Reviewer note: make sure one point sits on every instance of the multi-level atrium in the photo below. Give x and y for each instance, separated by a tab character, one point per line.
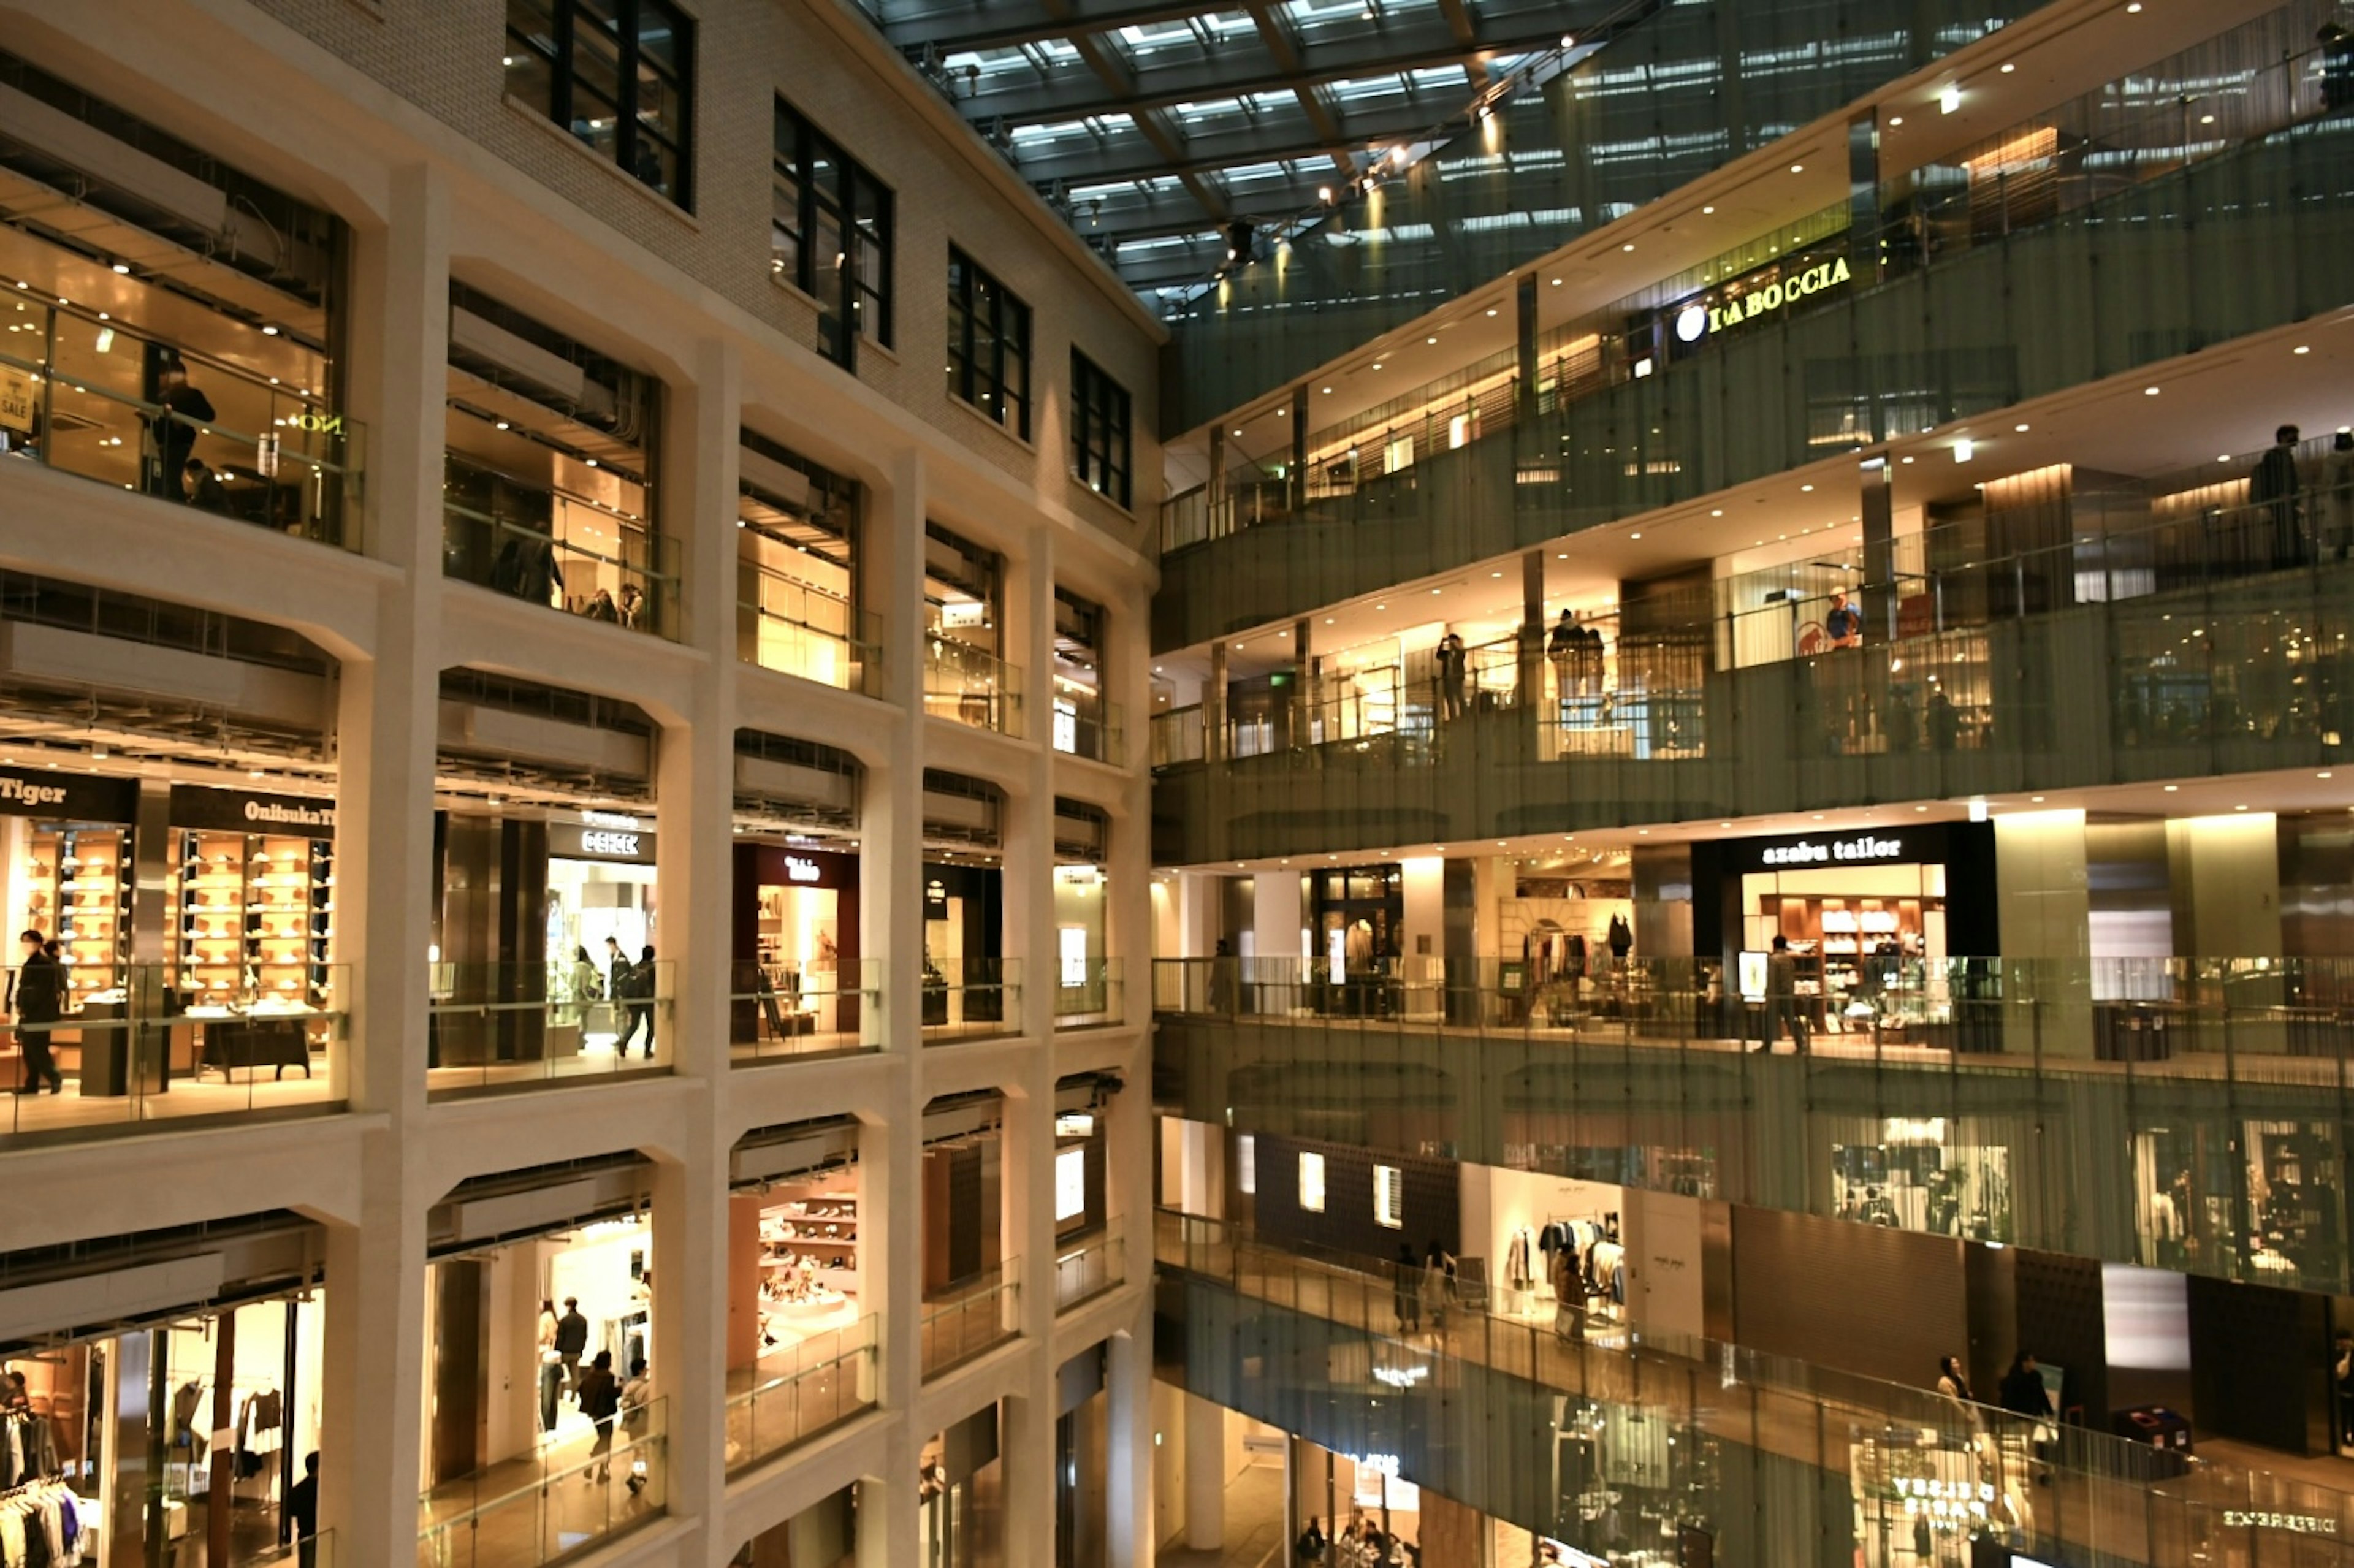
1579	796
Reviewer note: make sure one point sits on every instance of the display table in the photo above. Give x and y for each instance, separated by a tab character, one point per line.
228	1042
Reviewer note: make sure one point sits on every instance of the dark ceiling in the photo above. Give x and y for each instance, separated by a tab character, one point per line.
1155	125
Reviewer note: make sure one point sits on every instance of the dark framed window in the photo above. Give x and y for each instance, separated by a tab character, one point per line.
619	74
831	234
988	345
1099	429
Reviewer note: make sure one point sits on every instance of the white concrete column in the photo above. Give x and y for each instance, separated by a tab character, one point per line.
891	913
1028	1189
694	869
370	1417
1127	1444
1205	1474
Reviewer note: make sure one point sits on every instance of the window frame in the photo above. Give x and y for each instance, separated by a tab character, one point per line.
988	345
1103	432
829	188
561	61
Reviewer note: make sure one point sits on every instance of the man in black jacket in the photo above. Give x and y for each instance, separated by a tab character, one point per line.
37	994
571	1341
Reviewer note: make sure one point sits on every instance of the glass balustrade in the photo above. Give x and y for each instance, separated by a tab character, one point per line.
553	1502
1090	994
84	394
493	1027
787	626
548	546
2176	1113
970	999
778	1012
1090	1265
1604	1437
971	1318
99	1049
792	1395
968	686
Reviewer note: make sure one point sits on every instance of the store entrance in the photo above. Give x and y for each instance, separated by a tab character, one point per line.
185	1443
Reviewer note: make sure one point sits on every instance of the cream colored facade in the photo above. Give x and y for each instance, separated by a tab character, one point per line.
390	113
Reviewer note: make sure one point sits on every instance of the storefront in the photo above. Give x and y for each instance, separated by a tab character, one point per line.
183	1438
500	1386
1870	915
964	919
70	866
795	566
796	942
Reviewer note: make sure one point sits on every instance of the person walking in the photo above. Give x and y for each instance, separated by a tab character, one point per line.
181	409
1437	1284
2273	489
299	1518
600	1400
571	1342
638	999
1782	1000
637	1413
36	996
1409	1294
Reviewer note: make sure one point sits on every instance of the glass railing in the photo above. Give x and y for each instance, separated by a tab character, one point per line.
2258	80
508	1026
97	1049
1601	1437
964	684
75	395
1089	994
973	1318
1090	1265
553	1502
792	1396
1087	726
1177	736
2210	635
2174	1113
785	625
970	999
782	1011
580	558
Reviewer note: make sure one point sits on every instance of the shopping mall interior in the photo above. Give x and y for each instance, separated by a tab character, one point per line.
1582	796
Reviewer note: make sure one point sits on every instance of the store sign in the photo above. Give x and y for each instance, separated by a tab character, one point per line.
579	841
15	399
2266	1519
1946	1504
1748	300
68	797
238	812
1865	849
